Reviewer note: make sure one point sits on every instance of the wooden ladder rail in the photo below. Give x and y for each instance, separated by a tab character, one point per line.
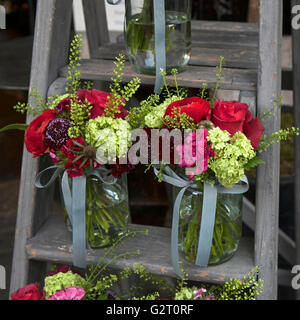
267	186
50	51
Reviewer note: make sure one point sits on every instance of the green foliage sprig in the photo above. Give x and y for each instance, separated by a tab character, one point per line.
79	115
39	104
268	113
203	91
119	96
219	75
180	92
74	75
236	289
183	281
98	282
179	120
276	137
136	117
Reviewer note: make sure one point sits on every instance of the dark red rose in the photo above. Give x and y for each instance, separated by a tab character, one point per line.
35	133
62	269
230	115
63	106
234	116
29	292
196	108
98	100
253	130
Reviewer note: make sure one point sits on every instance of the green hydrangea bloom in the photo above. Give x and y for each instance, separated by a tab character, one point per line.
185	294
228	171
232	156
242	146
218	138
154	118
62	281
112	135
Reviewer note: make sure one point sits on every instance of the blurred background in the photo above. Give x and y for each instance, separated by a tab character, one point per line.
148	207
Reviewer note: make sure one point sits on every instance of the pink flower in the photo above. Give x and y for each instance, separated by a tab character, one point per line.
54	157
199	293
70	293
194	154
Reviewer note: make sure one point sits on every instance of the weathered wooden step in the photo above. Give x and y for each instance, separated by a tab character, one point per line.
193	77
225	26
53	243
237	57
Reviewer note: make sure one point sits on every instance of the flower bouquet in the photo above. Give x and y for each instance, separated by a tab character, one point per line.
203	147
85	133
65	283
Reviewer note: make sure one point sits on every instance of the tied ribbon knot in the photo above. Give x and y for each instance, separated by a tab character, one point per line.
210	194
159	39
75	204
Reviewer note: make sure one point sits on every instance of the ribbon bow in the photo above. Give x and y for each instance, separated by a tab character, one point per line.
75	204
208	214
159	35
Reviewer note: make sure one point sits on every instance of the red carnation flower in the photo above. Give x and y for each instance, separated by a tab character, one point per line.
29	292
35	133
70	150
98	100
196	108
234	116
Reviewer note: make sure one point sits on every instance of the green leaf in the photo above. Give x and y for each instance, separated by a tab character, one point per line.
254	162
15	126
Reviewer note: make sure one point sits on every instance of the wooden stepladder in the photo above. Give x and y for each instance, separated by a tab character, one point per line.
253	70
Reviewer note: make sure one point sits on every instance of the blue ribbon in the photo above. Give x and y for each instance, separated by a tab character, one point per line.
75	204
159	36
160	44
208	214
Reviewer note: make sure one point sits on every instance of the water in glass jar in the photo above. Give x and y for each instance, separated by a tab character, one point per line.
140	42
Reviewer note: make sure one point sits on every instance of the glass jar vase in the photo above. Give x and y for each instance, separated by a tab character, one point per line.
140	39
106	211
227	227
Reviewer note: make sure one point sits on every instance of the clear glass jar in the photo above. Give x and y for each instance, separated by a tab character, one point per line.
227	229
106	210
140	40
